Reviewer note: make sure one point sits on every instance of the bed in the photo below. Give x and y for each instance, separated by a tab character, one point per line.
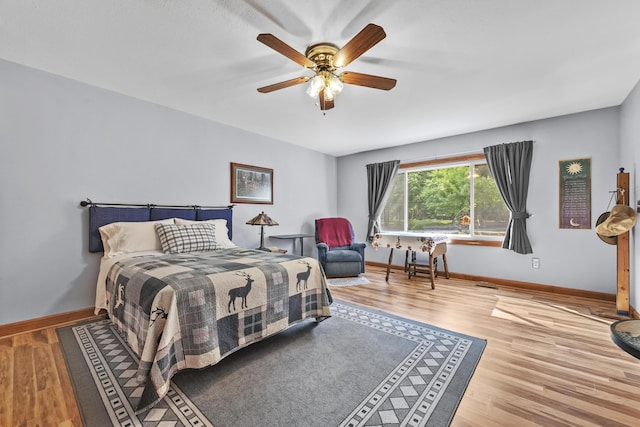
184	296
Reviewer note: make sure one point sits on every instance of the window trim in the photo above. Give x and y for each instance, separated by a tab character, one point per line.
444	160
485	241
477	242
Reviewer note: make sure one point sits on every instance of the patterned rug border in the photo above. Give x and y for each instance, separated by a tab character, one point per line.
177	409
428	400
107	395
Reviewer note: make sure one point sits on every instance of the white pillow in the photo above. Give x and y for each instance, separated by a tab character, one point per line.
126	237
222	232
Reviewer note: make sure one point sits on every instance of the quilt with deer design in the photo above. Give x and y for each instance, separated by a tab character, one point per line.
191	310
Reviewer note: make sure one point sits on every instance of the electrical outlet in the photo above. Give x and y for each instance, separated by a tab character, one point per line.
535	262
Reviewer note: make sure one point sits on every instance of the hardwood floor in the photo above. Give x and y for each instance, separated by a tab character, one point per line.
548	361
35	389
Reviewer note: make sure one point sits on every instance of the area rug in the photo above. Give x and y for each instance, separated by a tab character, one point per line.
360	367
348	281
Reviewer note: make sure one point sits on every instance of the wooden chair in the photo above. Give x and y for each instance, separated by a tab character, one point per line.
414	267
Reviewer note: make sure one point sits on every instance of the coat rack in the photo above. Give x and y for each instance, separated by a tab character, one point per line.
622	295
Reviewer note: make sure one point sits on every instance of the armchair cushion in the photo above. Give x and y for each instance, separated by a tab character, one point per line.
343	255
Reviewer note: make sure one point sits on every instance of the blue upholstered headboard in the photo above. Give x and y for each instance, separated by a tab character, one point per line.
103	215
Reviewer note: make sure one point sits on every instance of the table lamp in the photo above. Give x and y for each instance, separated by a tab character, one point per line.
262	219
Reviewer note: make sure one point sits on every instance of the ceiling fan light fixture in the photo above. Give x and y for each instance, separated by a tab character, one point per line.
334	84
316	85
328	95
326	82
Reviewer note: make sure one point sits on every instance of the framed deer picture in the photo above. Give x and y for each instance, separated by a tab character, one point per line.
251	184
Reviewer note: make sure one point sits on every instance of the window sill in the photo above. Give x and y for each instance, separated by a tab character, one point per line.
471	242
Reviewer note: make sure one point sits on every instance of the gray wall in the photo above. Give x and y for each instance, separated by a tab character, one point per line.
630	158
568	258
62	141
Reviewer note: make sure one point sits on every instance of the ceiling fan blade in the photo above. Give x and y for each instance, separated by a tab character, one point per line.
368	37
325	104
281	47
282	85
375	82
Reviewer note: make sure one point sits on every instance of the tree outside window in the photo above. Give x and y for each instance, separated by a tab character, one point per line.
447	199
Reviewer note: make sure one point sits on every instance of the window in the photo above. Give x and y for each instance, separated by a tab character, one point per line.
446	197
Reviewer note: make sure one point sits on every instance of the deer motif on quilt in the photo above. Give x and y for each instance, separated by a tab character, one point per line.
303	276
119	298
158	313
240	292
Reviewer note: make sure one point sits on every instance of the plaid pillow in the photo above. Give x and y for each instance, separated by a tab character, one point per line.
176	239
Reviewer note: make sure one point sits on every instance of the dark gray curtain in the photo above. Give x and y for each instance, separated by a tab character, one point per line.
510	165
379	178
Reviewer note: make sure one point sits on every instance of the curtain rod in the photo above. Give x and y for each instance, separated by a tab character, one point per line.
442	156
89	202
449	155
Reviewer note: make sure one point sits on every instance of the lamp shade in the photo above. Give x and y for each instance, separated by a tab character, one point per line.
262	219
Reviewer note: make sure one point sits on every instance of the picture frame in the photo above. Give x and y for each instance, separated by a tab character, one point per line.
251	184
575	194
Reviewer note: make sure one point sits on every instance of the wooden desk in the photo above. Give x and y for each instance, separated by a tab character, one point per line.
434	245
293	237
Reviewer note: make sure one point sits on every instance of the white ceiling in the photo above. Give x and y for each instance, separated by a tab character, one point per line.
461	65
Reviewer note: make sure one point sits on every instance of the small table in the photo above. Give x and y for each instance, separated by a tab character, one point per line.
433	244
293	237
626	335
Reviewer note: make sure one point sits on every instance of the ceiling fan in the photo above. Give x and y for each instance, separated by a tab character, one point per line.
324	59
